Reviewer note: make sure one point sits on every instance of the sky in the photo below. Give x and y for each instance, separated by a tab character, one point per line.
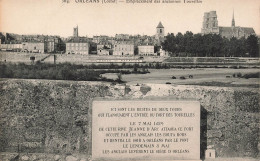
52	17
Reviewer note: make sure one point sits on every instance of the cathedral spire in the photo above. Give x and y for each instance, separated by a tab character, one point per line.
233	20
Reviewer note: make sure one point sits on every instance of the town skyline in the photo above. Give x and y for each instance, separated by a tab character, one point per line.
55	18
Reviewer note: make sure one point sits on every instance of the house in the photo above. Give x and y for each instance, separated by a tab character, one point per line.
103	51
146	50
123	48
34	47
77	48
104	44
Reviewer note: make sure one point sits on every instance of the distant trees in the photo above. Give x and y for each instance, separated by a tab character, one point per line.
252	46
210	45
135	50
2	38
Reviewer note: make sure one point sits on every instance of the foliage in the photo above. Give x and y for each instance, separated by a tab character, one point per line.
210	45
247	75
251	75
65	71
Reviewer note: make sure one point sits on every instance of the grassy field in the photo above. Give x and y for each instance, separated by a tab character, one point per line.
209	71
201	76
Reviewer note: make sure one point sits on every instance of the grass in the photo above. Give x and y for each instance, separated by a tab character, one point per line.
64	71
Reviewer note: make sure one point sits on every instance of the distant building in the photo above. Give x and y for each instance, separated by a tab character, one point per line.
76	44
76	31
122	36
79	45
210	26
146	50
123	48
10	47
159	36
33	38
104	44
103	51
210	23
112	40
77	48
237	32
34	47
98	39
53	43
163	52
50	46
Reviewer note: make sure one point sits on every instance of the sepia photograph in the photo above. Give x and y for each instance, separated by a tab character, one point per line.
129	80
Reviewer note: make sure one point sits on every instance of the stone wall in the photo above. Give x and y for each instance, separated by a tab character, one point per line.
53	118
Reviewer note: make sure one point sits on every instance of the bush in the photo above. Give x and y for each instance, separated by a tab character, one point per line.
251	75
238	75
64	71
246	76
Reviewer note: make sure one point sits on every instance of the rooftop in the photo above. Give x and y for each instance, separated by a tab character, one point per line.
160	25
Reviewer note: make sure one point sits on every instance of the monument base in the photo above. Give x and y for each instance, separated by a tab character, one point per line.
145	130
142	160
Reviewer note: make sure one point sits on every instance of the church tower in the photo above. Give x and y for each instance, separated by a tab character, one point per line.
159	37
233	20
159	31
76	32
210	23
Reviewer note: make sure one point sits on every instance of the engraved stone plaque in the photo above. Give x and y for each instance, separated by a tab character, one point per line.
145	130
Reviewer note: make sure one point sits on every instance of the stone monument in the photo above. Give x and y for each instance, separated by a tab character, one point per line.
145	130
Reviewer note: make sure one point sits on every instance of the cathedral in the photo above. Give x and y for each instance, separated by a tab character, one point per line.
210	26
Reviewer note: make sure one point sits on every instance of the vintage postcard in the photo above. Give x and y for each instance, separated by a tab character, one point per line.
121	80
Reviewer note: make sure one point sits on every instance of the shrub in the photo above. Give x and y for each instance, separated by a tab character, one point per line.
252	75
63	71
238	75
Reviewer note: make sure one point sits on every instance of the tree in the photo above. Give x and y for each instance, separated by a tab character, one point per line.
188	41
170	43
197	45
252	46
216	45
180	43
241	47
135	50
225	47
210	45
